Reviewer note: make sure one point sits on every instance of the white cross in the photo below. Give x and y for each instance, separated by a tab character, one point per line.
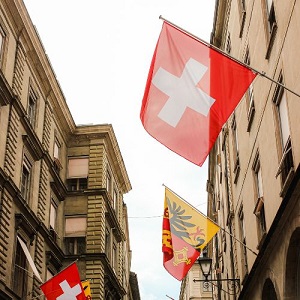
182	92
69	293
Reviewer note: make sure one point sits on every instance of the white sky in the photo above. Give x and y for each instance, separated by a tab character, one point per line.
101	53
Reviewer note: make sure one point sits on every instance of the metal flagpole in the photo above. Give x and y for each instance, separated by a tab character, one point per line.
262	73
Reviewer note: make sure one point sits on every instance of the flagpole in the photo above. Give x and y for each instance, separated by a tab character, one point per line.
261	73
212	221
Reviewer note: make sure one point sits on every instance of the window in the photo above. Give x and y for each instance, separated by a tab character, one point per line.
56	156
107	242
249	96
25	178
53	209
286	164
78	168
52	221
75	235
78	184
115	198
243	240
242	13
228	44
2	40
20	271
56	151
108	182
114	256
31	111
271	15
270	24
259	209
236	169
111	247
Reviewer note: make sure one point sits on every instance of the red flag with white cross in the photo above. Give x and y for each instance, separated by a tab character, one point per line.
66	285
190	93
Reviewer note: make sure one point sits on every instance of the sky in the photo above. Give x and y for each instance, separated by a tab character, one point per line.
101	52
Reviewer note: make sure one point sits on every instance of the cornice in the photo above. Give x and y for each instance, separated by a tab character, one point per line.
87	133
26	33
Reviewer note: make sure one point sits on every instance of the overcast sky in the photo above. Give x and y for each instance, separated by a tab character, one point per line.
101	53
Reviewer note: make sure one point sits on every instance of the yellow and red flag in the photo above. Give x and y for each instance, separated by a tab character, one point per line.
87	289
186	231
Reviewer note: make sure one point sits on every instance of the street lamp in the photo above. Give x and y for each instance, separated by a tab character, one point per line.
205	266
233	284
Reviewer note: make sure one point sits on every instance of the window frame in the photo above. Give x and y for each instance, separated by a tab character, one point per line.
53	209
259	208
249	95
284	145
25	180
78	181
32	106
20	269
235	145
242	14
270	24
3	39
244	258
74	241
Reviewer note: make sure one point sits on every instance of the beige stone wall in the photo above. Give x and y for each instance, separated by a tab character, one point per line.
24	65
263	138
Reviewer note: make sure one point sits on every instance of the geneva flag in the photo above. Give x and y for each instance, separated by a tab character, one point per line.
66	285
190	93
185	232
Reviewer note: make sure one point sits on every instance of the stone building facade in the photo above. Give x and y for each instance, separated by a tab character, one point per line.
253	178
253	169
61	185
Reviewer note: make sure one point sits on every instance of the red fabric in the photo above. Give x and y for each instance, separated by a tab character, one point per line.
225	81
178	256
66	285
179	265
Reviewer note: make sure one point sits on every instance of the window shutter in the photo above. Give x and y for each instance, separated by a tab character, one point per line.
52	215
75	227
285	130
78	167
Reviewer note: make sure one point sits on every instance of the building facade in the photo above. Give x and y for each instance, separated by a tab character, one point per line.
253	169
253	177
191	286
61	185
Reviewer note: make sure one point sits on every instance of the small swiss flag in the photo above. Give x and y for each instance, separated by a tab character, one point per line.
66	285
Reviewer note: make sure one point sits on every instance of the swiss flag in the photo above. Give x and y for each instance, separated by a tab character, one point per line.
190	93
66	285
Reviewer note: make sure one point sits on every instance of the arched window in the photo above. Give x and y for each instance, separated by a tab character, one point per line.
269	291
292	271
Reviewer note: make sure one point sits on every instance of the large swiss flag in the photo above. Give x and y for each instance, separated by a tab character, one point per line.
190	93
66	285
